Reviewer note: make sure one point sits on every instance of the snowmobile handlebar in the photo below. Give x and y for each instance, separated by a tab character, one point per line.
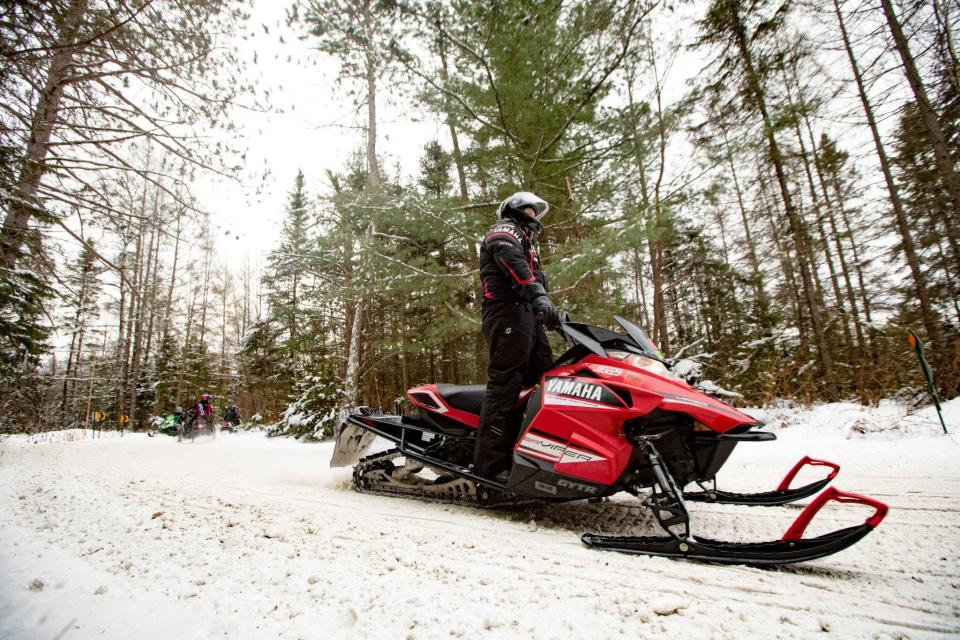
556	325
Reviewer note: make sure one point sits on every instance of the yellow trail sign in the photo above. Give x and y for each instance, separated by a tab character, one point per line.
100	416
124	418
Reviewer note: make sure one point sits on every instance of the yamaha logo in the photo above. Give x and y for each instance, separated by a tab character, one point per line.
583	390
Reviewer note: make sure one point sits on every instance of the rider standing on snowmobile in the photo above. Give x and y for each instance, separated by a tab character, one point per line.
515	309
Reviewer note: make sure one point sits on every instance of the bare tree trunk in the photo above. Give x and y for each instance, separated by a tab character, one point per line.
783	255
451	123
903	225
351	382
186	346
135	293
639	291
223	323
351	379
941	10
45	115
835	234
206	292
654	235
797	226
154	284
168	307
931	123
66	378
825	242
858	268
755	273
373	165
146	276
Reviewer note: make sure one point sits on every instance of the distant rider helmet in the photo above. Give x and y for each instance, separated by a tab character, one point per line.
514	207
206	397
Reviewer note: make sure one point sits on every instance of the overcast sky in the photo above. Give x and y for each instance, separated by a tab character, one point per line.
311	124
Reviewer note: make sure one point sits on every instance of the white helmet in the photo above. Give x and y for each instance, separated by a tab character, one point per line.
514	207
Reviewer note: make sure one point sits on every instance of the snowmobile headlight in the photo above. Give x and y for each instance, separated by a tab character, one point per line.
642	362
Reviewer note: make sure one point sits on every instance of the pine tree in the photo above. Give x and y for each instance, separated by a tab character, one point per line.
287	275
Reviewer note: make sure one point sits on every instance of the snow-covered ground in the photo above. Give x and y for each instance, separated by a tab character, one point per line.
246	537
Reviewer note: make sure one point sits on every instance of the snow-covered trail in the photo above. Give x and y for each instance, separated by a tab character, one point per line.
249	537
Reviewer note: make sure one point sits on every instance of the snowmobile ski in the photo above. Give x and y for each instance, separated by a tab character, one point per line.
782	495
793	547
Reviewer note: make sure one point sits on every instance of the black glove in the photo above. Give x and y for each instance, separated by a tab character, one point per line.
545	310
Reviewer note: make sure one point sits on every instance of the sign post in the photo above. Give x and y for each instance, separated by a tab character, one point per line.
123	419
917	346
99	416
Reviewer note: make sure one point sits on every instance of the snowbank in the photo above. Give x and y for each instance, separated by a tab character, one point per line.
889	419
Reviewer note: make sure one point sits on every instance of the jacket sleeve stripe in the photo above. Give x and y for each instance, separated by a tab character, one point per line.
514	274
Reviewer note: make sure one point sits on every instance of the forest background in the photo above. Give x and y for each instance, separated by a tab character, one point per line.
770	189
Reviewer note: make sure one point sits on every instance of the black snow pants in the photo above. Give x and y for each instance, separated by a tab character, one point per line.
519	356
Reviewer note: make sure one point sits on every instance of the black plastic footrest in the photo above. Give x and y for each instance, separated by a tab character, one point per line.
751	553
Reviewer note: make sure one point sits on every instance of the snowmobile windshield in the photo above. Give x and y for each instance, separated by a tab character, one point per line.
642	361
599	341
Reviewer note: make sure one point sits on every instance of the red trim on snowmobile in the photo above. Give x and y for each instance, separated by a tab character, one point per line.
795	532
444	408
813	462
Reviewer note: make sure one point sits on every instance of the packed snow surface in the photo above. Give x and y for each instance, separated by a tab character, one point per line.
248	537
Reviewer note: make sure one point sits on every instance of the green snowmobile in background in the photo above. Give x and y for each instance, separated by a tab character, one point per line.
171	423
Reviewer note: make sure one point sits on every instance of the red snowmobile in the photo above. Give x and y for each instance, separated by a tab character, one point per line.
608	417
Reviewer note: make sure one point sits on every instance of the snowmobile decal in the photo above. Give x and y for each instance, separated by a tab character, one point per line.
608	371
546	488
570	402
440	406
554	451
562	391
574	388
685	400
564	484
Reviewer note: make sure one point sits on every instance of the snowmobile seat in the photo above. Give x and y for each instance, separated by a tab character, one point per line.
467	397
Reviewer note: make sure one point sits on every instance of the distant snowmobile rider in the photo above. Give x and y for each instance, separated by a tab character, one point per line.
514	300
232	415
203	409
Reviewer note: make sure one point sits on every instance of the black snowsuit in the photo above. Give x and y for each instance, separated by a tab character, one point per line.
232	416
511	276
